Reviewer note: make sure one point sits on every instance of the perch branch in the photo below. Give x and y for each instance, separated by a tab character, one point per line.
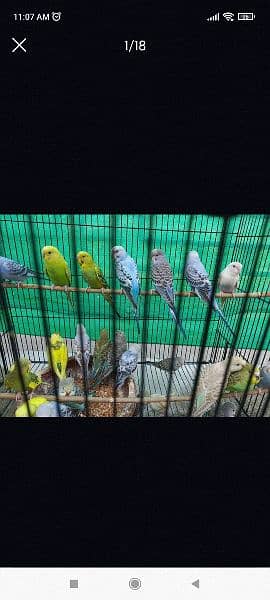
84	290
131	400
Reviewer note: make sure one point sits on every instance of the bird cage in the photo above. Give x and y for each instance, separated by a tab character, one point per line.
33	310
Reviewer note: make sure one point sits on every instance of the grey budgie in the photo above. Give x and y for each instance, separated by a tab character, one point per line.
198	278
82	347
228	280
127	365
210	383
127	273
14	271
163	281
167	364
265	376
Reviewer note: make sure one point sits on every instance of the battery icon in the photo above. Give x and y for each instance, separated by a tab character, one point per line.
246	16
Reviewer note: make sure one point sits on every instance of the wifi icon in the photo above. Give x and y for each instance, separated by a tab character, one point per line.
228	16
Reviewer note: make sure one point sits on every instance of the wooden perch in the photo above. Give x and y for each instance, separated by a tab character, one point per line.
132	400
85	290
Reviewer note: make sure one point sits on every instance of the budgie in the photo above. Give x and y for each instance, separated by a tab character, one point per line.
238	381
50	410
228	408
228	280
12	380
265	376
14	271
57	269
102	364
127	273
33	405
127	365
167	364
198	279
110	363
59	355
210	383
163	281
93	275
82	347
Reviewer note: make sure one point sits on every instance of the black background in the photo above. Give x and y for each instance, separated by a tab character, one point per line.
182	127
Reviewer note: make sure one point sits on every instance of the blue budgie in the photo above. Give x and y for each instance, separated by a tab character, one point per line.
265	376
163	281
127	273
14	271
198	278
127	365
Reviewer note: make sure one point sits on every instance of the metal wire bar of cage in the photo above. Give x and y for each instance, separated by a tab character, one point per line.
145	315
13	342
209	312
79	312
178	312
44	316
114	349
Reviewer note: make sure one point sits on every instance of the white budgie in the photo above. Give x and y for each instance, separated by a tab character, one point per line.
82	347
228	280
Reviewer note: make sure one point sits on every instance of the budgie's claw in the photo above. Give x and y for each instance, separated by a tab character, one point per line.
66	288
18	398
52	286
19	284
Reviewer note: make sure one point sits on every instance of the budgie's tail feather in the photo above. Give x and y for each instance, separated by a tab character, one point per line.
70	299
219	311
137	321
110	300
178	321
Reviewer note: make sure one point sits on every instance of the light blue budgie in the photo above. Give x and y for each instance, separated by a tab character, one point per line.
127	365
127	273
163	281
49	409
14	271
198	278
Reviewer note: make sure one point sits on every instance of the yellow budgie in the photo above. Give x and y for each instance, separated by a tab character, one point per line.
59	355
33	405
13	381
93	275
57	269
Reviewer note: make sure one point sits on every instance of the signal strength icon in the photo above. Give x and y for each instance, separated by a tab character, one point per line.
213	18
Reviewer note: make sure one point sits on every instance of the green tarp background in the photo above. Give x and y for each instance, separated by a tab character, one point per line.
172	233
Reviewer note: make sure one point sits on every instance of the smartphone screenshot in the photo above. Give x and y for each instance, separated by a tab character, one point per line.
134	291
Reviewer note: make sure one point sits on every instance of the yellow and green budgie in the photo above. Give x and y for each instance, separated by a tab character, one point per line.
238	381
13	381
59	355
93	275
57	269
